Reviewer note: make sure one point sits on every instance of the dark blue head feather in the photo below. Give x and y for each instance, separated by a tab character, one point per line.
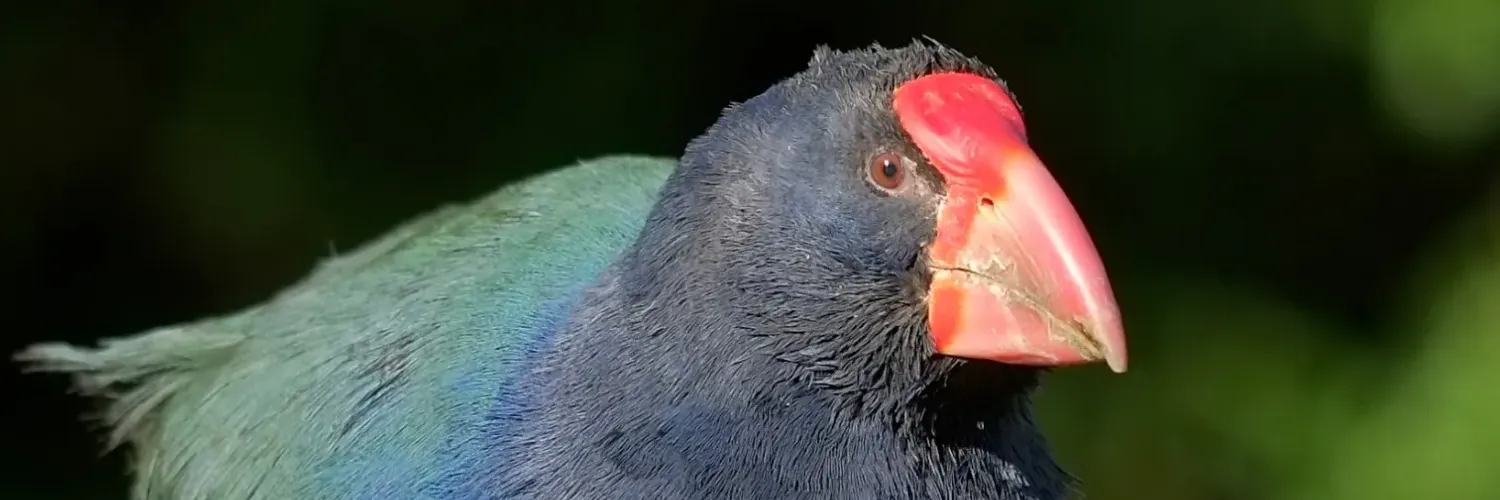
765	337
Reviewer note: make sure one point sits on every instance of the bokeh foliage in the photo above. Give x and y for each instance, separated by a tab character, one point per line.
1296	198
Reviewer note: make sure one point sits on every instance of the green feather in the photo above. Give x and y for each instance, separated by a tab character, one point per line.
372	361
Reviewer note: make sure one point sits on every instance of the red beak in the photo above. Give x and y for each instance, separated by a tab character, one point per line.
1016	278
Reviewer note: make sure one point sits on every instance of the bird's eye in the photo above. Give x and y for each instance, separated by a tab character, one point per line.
887	171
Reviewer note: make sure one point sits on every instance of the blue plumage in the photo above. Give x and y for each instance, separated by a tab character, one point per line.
377	375
510	403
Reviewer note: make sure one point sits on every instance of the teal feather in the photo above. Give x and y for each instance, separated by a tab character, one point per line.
366	377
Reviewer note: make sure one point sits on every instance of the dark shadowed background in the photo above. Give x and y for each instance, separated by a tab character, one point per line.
1297	199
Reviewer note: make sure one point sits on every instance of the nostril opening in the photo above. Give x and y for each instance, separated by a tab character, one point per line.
987	208
987	205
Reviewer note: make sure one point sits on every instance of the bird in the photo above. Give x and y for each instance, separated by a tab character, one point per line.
847	287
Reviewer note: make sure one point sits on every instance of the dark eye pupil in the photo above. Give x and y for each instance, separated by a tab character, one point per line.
890	169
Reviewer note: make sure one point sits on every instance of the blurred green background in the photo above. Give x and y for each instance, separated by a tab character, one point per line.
1297	199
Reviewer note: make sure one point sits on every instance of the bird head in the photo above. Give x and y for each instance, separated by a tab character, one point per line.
883	208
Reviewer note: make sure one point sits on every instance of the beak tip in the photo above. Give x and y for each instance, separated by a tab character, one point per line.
1114	342
1116	362
1107	329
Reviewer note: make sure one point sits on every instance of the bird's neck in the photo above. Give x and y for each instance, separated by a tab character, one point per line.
674	380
